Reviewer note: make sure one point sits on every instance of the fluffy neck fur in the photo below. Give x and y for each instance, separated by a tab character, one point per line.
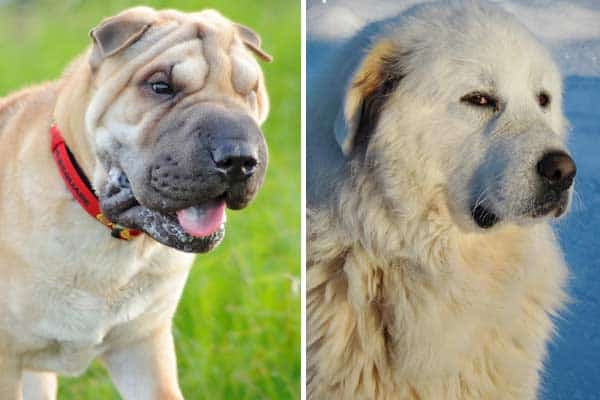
403	304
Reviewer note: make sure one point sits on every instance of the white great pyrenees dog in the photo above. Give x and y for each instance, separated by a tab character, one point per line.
433	272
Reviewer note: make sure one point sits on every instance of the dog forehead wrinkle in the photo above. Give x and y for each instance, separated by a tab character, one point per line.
112	85
190	74
214	51
216	28
172	15
244	70
156	33
214	22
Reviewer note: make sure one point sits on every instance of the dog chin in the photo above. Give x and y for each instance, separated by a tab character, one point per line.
554	209
196	228
179	230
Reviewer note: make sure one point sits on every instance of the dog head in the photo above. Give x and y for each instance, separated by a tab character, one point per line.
176	105
460	98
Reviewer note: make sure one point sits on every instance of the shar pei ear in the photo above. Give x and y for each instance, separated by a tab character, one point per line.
373	82
116	33
252	41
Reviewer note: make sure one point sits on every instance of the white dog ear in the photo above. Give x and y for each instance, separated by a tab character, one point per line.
373	82
116	33
252	41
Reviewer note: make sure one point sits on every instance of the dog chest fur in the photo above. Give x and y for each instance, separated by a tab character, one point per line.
466	318
79	311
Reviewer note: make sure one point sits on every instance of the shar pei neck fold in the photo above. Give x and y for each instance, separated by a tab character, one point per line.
433	272
162	117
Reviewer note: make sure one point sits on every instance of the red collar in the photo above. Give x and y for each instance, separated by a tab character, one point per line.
80	187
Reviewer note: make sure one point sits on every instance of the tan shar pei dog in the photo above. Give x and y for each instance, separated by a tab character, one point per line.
154	131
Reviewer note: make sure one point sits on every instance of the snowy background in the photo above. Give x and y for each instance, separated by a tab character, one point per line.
572	31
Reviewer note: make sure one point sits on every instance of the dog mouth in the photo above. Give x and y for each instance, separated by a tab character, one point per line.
553	203
195	229
192	227
483	216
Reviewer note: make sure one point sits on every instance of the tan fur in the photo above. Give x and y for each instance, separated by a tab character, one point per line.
365	81
369	76
69	291
405	298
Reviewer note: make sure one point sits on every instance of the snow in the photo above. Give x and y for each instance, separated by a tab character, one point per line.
572	31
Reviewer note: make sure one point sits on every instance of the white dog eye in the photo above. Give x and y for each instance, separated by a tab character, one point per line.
481	100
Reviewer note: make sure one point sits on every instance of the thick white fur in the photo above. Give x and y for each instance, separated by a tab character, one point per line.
407	297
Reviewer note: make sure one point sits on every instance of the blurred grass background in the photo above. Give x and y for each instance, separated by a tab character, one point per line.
237	329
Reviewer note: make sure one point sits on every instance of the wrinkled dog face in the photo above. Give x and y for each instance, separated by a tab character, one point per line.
175	122
465	100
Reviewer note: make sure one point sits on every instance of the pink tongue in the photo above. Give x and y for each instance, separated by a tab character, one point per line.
202	220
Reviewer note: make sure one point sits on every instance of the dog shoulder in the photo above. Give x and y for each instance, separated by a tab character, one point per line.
33	99
24	113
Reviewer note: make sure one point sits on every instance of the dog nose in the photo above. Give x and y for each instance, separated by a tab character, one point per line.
558	169
236	161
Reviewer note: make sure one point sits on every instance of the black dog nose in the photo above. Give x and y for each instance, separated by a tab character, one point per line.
236	161
558	168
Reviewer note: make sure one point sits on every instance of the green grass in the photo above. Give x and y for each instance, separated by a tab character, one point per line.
237	329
